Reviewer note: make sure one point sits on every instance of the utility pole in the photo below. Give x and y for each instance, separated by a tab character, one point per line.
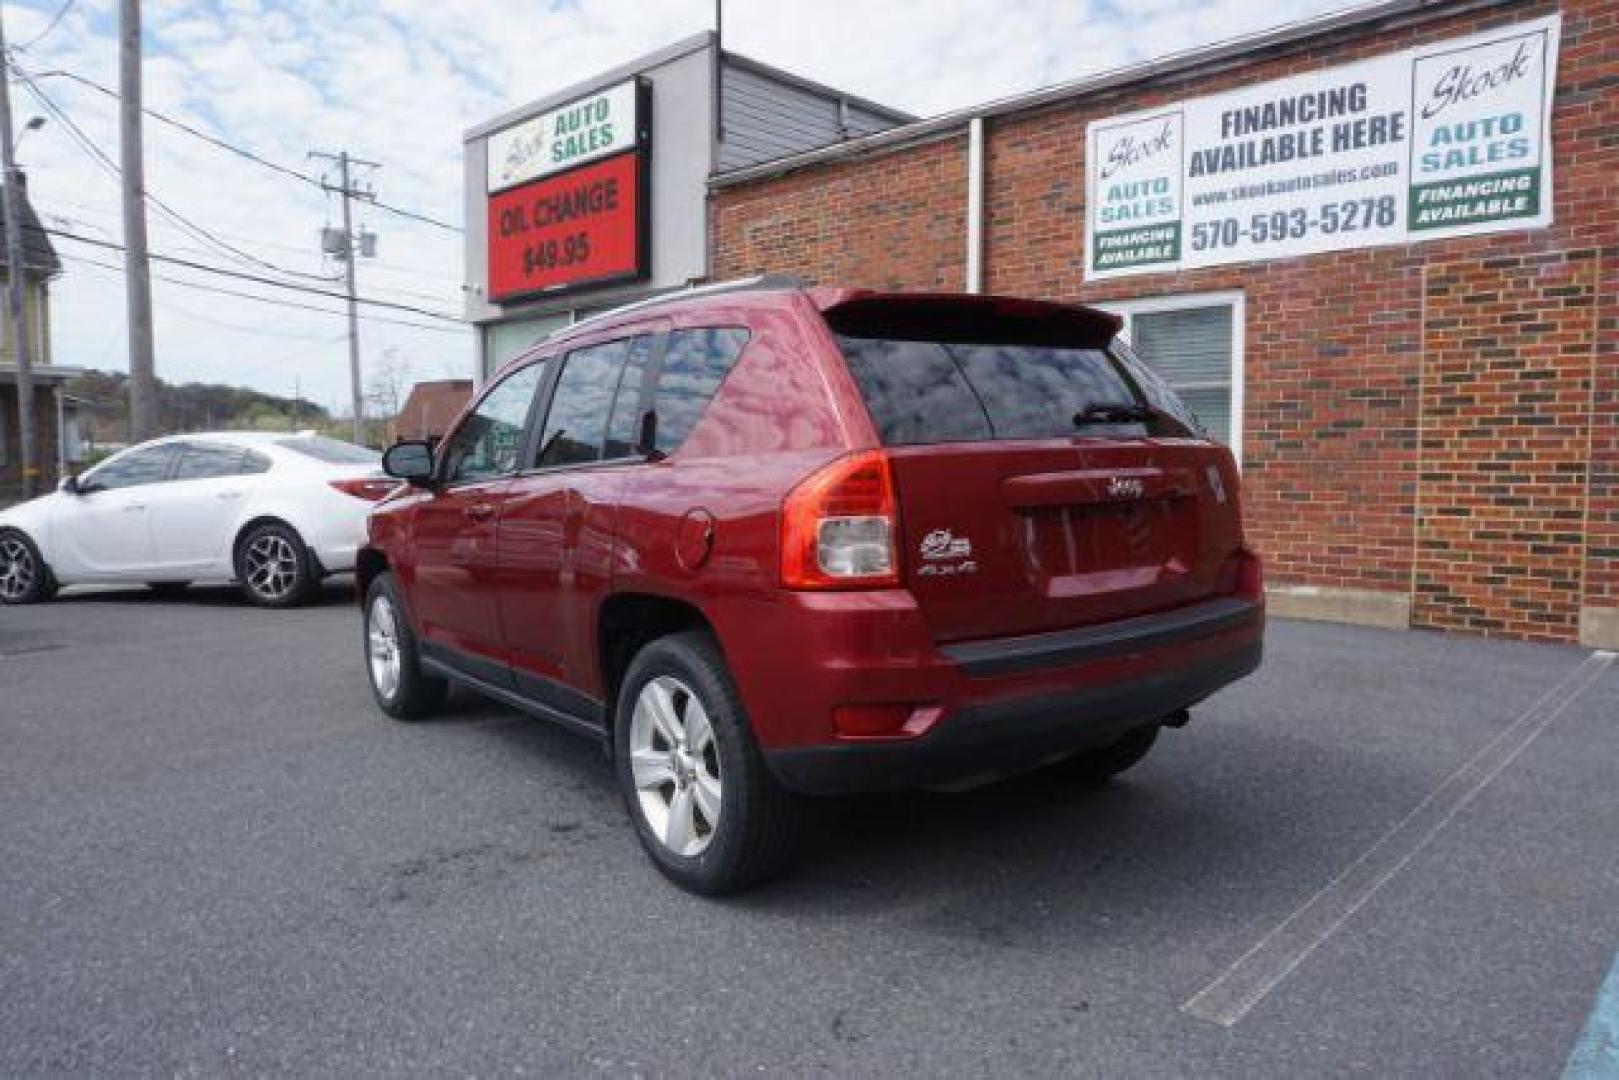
143	421
348	247
17	281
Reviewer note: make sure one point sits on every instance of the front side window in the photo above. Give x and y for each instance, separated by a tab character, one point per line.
695	362
576	424
490	440
207	461
149	465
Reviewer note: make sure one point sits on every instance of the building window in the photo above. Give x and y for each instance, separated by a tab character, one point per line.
1195	343
505	341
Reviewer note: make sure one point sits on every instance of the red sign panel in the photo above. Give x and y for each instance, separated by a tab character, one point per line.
587	225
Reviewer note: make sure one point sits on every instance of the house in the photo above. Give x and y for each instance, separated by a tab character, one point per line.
431	408
52	413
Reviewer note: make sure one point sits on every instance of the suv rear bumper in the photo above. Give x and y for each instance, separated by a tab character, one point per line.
1012	705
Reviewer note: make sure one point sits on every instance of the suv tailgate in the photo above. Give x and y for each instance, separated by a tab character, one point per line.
1044	482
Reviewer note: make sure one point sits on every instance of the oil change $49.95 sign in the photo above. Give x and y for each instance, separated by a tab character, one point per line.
582	226
1447	139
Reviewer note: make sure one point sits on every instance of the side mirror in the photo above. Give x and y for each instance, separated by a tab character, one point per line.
410	461
69	485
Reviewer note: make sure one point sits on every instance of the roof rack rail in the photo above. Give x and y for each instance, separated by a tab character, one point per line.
749	284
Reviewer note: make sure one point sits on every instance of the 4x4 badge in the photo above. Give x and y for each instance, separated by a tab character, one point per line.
1126	487
944	544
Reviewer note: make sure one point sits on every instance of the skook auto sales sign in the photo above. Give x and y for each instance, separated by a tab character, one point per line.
568	200
1448	139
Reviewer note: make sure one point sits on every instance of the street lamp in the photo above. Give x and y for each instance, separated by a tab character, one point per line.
34	124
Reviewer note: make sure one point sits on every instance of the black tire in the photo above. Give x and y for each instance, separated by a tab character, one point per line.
168	588
415	694
292	578
759	822
24	577
1104	763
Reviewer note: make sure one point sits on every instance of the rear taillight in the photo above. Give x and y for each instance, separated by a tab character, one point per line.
838	527
368	488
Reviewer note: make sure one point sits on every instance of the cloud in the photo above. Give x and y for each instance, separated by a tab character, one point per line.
397	81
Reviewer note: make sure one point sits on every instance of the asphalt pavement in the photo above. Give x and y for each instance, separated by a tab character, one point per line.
1386	854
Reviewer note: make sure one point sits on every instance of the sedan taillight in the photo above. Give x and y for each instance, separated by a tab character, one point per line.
371	489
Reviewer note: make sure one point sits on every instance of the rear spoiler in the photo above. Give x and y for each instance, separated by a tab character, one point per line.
964	318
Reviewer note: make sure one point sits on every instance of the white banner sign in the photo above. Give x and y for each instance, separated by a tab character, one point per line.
1448	139
572	134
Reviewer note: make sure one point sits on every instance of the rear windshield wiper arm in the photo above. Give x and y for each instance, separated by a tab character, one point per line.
1115	412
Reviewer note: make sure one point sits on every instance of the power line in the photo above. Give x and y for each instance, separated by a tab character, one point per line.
258	279
417	270
111	168
232	148
53	216
43	34
272	301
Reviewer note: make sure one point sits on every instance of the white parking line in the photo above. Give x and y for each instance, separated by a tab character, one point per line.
1246	983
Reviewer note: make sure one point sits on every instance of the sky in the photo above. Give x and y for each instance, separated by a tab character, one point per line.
397	82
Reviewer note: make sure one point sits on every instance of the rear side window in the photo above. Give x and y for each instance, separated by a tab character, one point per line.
624	428
331	451
207	461
694	364
576	423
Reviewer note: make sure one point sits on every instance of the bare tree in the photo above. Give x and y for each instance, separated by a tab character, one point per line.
391	378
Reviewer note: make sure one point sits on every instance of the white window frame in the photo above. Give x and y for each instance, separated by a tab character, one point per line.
1238	303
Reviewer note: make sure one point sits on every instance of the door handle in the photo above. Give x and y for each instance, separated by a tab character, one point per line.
480	512
228	495
130	508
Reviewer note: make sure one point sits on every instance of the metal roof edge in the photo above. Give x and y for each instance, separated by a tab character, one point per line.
819	89
657	58
1361	18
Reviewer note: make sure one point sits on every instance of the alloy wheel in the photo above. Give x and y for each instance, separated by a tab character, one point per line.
17	569
272	566
382	639
675	764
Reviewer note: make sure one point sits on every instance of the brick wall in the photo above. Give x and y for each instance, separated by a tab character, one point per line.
1403	434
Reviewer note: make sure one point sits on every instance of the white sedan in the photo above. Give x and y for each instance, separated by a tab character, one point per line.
275	512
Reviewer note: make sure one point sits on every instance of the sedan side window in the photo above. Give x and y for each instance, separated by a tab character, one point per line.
490	440
207	461
145	466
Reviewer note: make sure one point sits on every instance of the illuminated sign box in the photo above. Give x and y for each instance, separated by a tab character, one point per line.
586	129
586	226
570	195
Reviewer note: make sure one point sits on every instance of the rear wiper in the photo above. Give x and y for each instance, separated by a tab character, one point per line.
1115	412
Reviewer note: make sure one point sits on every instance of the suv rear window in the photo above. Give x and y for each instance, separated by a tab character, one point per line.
931	391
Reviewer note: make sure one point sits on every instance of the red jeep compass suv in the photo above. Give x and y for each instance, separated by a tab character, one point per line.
766	541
